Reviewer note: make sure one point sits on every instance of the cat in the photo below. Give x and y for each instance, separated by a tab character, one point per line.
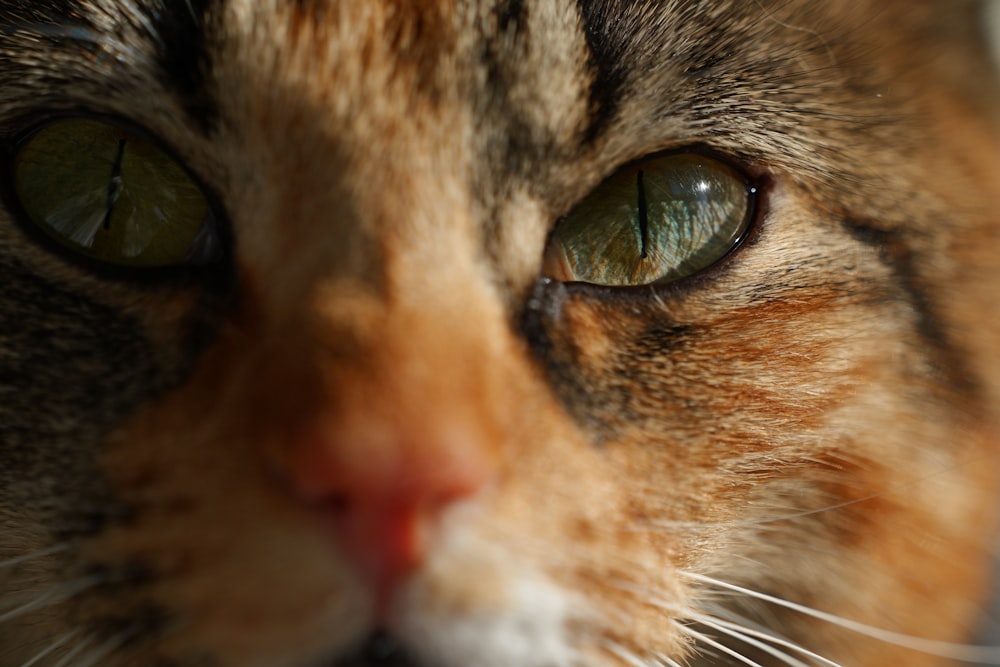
497	333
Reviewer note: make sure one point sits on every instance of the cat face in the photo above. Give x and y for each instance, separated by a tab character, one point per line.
495	334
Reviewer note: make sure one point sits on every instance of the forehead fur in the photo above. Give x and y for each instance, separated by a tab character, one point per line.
716	57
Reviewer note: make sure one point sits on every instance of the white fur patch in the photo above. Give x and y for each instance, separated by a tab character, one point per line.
531	632
474	605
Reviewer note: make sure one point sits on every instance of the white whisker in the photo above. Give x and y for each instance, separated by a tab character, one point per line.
705	639
749	640
39	602
54	646
624	654
50	597
771	16
669	662
739	629
759	634
41	553
959	652
67	659
105	649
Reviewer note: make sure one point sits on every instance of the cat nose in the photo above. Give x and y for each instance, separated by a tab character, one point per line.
382	490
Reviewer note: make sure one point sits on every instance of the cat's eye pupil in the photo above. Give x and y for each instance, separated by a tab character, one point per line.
658	221
115	186
643	216
109	194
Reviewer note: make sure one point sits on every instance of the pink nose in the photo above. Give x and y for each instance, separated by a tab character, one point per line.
382	494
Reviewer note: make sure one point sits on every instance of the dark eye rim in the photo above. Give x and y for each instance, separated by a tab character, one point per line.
179	274
757	182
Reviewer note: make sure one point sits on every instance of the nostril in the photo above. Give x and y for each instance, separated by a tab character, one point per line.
331	503
382	496
380	648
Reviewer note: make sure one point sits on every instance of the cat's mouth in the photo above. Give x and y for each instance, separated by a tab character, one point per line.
380	650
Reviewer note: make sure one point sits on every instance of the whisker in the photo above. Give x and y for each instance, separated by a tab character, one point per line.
38	602
705	639
624	654
772	16
959	652
41	553
105	649
711	621
54	646
741	631
51	597
668	662
72	653
749	640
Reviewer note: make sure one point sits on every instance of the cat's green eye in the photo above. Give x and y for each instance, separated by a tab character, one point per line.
109	194
656	221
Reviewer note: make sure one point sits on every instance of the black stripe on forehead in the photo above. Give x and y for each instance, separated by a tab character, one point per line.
511	15
598	18
182	37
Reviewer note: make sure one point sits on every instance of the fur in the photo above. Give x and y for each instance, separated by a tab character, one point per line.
815	418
